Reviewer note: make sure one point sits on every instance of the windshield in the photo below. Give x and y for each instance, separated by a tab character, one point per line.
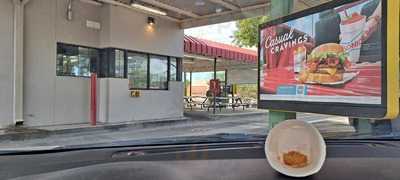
96	73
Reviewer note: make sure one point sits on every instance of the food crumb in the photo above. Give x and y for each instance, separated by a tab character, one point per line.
295	159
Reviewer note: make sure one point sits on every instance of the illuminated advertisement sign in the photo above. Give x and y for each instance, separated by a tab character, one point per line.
336	58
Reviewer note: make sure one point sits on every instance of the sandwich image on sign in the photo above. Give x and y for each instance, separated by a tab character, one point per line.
295	148
327	64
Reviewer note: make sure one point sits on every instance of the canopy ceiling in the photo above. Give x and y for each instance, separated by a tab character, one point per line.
194	13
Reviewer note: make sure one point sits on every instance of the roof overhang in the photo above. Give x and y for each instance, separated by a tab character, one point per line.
212	49
198	63
195	13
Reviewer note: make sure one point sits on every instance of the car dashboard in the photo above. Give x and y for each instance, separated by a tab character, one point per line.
346	159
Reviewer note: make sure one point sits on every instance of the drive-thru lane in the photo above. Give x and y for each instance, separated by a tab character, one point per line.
255	124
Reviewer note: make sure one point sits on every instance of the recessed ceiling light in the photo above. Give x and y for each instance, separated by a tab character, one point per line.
148	9
199	3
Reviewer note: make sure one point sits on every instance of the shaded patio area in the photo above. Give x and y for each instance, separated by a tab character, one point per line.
218	78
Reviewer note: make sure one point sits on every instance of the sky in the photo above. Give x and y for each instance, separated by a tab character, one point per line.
222	33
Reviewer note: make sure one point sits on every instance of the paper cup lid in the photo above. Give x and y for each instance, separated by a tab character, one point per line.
299	138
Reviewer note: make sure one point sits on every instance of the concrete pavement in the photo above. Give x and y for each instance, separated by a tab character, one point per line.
253	124
256	125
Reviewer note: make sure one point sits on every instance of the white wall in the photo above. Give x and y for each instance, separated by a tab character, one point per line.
6	62
39	62
152	104
105	26
53	100
128	30
72	100
50	99
75	31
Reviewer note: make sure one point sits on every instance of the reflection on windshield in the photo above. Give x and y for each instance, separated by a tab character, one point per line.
198	127
90	78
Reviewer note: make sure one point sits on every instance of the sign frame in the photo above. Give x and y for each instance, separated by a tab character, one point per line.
389	107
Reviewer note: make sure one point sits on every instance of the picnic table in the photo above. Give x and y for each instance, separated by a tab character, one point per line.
221	102
231	101
190	102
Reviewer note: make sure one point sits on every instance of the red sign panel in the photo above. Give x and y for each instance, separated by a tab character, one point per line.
215	86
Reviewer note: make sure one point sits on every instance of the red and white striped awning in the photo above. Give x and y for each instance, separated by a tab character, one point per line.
213	49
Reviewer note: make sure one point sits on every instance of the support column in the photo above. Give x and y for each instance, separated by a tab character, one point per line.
18	59
226	84
215	77
275	117
185	83
190	84
362	126
279	8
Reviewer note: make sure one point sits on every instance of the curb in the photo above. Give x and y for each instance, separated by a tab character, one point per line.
239	115
40	132
218	116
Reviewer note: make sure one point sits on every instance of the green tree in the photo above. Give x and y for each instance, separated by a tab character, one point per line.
247	33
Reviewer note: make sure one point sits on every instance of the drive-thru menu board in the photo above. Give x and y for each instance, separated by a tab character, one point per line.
338	58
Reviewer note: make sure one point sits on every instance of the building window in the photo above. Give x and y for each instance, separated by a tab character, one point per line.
173	69
76	60
84	63
143	70
94	55
119	63
137	70
158	72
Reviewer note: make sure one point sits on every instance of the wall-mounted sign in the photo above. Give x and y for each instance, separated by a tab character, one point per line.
93	25
215	86
339	58
134	93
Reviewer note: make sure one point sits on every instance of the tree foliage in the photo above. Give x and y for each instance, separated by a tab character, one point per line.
247	32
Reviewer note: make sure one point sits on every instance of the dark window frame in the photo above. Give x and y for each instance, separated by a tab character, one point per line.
126	66
99	51
149	72
106	56
179	67
168	70
124	61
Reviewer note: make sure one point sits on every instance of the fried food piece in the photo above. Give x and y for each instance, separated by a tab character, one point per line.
295	159
303	76
324	78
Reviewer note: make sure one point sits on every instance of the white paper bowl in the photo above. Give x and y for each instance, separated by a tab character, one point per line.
295	135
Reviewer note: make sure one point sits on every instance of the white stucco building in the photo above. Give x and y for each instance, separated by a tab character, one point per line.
48	48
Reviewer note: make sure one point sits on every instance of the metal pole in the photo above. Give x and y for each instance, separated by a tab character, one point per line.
280	8
226	83
215	77
185	83
93	99
190	84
